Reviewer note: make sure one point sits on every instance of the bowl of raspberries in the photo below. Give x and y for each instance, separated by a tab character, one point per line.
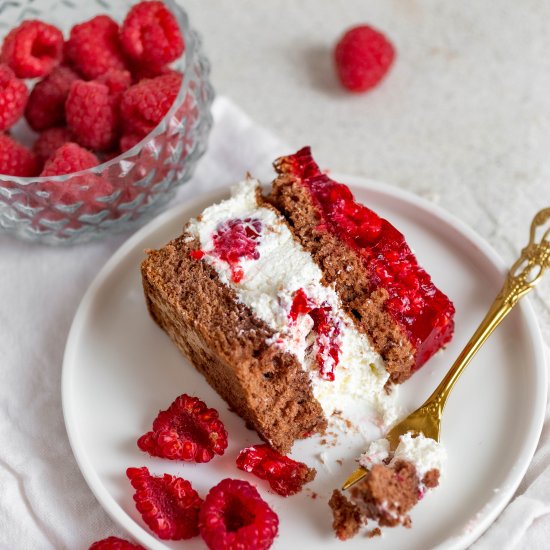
102	115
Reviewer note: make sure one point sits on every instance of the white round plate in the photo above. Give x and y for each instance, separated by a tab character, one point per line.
120	369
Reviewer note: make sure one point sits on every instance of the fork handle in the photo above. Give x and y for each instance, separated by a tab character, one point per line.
522	277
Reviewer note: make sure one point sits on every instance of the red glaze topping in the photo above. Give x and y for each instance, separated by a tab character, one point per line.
326	328
424	312
285	476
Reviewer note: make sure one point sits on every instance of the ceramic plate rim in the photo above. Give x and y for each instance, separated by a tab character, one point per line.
529	442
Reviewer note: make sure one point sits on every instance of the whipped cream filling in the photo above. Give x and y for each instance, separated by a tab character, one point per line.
423	452
268	283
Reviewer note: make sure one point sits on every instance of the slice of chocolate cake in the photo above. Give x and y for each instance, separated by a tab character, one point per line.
244	301
374	271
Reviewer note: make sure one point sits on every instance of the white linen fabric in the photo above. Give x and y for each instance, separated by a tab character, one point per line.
44	501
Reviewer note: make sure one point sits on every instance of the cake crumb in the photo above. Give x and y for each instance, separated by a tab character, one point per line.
376	532
340	461
346	516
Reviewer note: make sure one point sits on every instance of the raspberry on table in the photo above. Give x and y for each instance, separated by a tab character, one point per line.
49	141
17	160
363	57
13	97
187	430
69	158
46	105
115	543
32	49
285	476
92	115
234	515
94	47
169	505
145	104
151	35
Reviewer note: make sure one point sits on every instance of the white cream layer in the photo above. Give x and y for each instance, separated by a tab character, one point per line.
268	287
423	452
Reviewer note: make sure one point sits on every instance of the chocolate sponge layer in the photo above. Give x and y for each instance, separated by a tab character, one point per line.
228	344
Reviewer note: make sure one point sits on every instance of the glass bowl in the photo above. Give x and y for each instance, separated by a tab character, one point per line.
124	192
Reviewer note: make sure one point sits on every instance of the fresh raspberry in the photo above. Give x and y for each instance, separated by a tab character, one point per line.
114	543
187	430
286	476
46	106
13	97
363	56
94	48
169	505
145	104
234	516
117	81
49	141
151	35
69	158
16	160
92	114
127	141
33	49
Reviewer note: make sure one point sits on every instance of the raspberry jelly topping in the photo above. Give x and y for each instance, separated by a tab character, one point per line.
326	328
235	240
414	302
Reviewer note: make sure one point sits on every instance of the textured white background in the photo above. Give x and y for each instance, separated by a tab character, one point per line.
462	119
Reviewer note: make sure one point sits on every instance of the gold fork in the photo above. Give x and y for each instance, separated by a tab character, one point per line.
522	277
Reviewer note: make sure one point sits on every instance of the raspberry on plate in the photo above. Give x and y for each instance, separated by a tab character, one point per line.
46	105
151	35
285	476
33	48
13	97
169	505
114	543
94	47
49	141
92	114
17	160
234	515
144	104
363	57
187	430
69	158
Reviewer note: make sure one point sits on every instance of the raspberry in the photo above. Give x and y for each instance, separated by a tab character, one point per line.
69	158
16	160
236	239
114	543
169	505
33	49
363	56
13	97
92	114
127	141
286	476
151	35
46	106
235	516
49	141
144	104
117	81
94	48
187	430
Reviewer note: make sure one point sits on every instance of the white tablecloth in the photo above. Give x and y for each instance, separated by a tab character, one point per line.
44	502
